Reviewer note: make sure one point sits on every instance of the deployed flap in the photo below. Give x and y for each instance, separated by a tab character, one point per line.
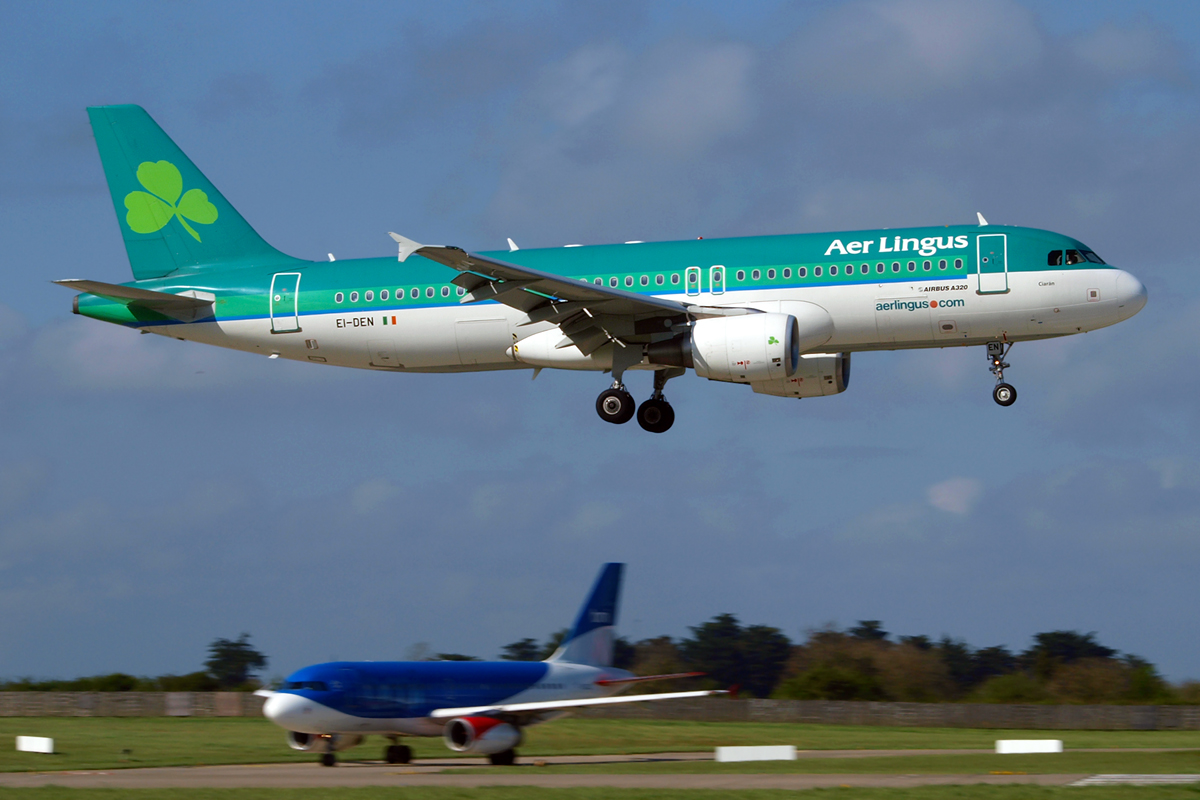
185	307
552	705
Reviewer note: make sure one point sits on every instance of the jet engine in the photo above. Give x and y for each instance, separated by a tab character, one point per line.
482	735
320	742
750	348
817	375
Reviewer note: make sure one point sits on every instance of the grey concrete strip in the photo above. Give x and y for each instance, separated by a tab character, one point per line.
1135	780
302	776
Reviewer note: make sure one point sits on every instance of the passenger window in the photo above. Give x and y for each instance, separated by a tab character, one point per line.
612	282
354	297
787	272
741	274
895	266
645	281
942	264
369	296
912	266
927	265
599	281
339	297
461	291
658	279
817	272
771	274
414	293
675	279
864	269
383	295
958	263
833	269
879	268
1054	259
802	272
717	277
429	292
693	277
629	280
445	291
755	275
1074	257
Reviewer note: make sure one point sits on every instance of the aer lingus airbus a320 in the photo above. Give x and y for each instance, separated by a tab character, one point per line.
779	313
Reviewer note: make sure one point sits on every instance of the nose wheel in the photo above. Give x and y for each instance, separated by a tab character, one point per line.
1004	394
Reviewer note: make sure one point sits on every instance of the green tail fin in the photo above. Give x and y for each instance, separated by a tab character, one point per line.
171	217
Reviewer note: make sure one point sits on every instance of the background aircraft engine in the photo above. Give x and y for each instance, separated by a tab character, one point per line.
318	742
817	375
744	349
482	735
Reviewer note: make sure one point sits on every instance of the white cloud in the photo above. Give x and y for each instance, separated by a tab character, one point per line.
956	495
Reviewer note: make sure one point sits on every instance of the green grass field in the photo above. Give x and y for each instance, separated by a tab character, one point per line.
100	743
531	793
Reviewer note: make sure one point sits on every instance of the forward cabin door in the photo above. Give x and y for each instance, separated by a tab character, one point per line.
285	302
991	254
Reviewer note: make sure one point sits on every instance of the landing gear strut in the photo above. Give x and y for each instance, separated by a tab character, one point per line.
656	415
1004	393
505	758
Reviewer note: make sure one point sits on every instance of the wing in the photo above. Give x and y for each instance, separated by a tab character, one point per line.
588	314
560	705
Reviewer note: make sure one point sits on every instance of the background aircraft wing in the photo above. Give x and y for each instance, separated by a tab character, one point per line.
589	315
558	705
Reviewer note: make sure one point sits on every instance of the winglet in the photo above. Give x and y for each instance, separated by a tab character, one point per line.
407	246
982	221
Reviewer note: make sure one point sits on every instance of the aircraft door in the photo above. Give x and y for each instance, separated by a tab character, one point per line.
692	280
285	302
991	254
716	279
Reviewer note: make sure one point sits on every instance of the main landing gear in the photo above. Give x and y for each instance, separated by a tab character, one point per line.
505	758
1004	393
397	754
616	404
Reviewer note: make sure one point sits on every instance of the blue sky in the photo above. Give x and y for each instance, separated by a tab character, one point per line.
157	494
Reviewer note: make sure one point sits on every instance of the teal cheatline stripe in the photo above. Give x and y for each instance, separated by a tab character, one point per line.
171	216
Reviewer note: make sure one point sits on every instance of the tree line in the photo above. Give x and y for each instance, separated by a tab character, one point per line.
865	662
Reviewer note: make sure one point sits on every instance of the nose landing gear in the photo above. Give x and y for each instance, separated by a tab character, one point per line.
1004	394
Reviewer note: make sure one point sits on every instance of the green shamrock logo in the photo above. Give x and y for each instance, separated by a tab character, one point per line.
151	211
772	340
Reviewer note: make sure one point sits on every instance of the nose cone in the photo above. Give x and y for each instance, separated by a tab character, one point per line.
290	711
1131	294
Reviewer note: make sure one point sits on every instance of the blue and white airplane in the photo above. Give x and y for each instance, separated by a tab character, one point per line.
478	707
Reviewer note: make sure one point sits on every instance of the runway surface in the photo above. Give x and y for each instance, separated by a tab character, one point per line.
441	772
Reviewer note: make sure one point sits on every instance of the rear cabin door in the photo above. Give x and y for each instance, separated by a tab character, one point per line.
285	302
992	263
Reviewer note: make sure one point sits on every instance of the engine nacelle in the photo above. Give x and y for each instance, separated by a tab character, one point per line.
744	349
817	375
482	735
321	742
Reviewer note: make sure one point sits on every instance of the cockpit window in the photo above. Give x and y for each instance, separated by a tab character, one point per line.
1075	257
1092	257
315	686
1054	259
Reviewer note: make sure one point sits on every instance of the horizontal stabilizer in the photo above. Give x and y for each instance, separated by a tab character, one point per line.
555	705
184	307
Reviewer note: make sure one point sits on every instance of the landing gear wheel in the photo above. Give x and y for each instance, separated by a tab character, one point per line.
503	759
615	406
328	760
656	415
1004	394
398	754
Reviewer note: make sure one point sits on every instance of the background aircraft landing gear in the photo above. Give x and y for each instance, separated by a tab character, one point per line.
397	754
504	758
328	760
615	405
1004	393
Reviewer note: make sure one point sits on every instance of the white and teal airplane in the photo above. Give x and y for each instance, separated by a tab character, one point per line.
781	314
477	707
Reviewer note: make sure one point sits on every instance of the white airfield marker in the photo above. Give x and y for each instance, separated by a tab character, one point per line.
782	752
1009	746
35	744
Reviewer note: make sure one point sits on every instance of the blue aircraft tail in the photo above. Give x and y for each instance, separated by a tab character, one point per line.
591	639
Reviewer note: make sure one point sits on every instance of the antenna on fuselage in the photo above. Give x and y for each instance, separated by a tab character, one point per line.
512	246
982	221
